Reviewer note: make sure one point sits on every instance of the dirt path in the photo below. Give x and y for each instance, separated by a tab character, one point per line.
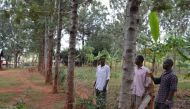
23	76
48	100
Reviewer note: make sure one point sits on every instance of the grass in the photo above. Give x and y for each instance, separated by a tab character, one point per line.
5	98
85	75
184	85
36	80
6	82
58	105
33	95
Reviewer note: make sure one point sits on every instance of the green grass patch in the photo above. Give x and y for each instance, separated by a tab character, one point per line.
6	82
58	105
5	98
184	85
34	95
36	80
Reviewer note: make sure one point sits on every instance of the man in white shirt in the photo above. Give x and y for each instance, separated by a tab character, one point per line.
102	79
140	82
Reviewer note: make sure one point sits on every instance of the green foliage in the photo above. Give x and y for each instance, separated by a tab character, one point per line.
154	25
12	82
103	53
87	103
6	98
184	85
162	5
20	105
62	76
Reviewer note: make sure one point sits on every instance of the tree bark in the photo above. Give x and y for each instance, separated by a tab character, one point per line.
15	60
0	62
45	49
57	57
7	64
174	57
71	58
50	57
41	54
154	62
131	28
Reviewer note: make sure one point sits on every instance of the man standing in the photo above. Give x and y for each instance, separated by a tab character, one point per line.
140	82
102	79
168	86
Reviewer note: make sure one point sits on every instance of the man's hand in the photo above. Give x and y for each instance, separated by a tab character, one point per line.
94	84
149	74
104	89
169	103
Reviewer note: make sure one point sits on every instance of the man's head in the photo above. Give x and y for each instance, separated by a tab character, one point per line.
102	60
139	60
168	63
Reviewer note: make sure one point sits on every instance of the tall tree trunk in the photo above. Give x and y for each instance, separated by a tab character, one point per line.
71	58
145	53
174	57
51	29
57	57
45	49
154	62
41	54
153	69
50	57
7	64
15	60
131	28
0	62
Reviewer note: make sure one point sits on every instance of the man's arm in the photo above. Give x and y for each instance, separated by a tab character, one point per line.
106	85
155	80
94	83
108	77
96	77
171	94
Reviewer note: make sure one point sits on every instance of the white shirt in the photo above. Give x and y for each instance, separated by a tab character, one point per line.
102	75
140	81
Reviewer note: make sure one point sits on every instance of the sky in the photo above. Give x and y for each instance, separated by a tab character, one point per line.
65	39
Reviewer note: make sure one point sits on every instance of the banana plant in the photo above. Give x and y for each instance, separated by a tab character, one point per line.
155	33
176	45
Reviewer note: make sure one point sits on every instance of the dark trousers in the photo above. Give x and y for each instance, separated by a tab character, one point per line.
161	106
100	99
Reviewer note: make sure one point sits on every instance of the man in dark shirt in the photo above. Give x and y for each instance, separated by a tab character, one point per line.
168	86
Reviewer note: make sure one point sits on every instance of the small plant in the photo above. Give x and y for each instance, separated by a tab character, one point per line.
20	104
62	76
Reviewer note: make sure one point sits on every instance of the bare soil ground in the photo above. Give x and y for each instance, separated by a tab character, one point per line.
30	87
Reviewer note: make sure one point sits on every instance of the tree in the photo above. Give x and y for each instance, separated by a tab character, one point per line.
71	58
58	45
131	28
51	18
15	28
92	19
